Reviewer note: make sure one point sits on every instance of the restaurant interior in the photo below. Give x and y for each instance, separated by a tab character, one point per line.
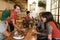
30	30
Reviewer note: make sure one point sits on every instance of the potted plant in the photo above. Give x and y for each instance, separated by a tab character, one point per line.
41	4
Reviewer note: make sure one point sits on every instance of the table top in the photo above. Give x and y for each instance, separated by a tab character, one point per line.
28	36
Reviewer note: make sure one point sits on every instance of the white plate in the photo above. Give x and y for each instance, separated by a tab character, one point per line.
18	37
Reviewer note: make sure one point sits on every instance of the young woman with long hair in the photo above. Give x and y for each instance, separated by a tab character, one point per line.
52	27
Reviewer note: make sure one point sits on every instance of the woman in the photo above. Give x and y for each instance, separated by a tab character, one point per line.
41	29
52	30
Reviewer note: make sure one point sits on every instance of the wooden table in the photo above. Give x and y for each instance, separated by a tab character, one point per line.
28	36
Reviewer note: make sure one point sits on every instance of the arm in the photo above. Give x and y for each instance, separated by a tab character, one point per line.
49	28
6	33
3	29
16	27
13	21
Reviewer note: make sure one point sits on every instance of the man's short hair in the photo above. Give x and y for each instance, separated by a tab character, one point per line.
28	12
16	5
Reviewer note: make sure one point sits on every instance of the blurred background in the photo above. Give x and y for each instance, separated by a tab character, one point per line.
35	6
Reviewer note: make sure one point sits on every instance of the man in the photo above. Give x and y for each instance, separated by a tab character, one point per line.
27	18
3	25
13	16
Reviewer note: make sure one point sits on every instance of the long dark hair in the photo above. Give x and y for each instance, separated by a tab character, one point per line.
49	17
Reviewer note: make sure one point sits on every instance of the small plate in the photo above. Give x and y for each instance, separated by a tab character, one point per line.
18	37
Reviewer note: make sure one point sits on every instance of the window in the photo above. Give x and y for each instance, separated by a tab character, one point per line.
55	9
